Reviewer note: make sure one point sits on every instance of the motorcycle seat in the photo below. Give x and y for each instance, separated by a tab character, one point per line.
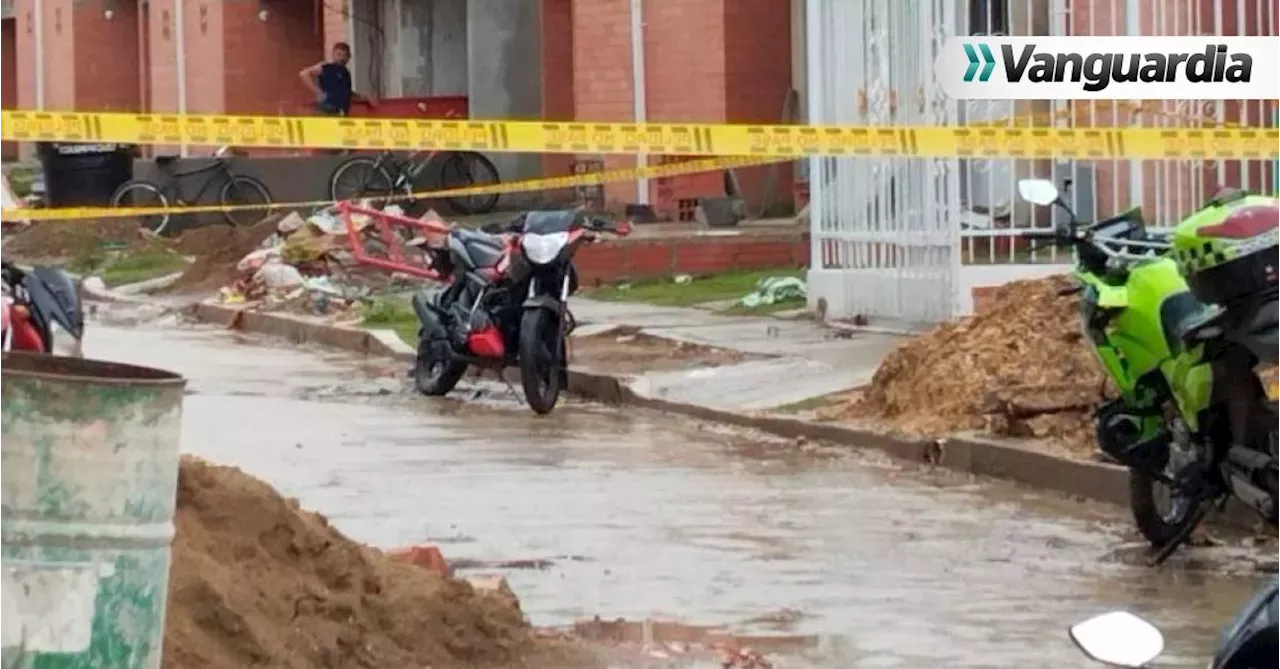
484	250
469	237
166	158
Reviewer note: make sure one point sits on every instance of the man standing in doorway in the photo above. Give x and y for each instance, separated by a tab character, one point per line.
330	82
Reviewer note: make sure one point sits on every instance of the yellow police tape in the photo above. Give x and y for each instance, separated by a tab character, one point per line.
654	138
550	183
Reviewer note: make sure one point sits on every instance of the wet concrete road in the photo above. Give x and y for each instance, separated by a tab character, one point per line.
644	515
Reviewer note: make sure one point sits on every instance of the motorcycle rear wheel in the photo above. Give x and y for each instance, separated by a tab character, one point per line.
435	374
541	355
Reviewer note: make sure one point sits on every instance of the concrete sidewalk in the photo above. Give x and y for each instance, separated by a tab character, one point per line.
806	359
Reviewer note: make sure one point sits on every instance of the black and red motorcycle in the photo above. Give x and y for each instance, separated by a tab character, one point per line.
505	302
36	304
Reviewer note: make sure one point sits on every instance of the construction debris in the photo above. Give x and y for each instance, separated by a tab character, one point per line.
304	264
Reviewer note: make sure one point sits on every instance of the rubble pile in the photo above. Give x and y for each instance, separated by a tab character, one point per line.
1020	367
294	263
257	582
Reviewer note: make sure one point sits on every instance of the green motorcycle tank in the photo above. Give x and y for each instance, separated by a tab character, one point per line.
1141	330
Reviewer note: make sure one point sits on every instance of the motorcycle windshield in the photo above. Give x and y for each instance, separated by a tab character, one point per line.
54	296
549	222
1258	615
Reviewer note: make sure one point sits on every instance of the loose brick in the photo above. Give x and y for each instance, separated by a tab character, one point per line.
427	557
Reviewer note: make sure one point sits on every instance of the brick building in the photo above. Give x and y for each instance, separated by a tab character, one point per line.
703	60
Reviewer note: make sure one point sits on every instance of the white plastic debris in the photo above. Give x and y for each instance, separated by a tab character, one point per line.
256	259
292	221
277	275
326	222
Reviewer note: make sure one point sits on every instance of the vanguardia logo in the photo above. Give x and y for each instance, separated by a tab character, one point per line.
988	62
1098	70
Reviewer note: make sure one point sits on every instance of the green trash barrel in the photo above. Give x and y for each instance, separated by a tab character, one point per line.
89	473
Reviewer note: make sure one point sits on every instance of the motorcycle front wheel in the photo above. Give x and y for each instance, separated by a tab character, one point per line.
541	356
1159	515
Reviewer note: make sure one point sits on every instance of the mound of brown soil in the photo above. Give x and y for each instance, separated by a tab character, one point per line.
68	239
1019	367
256	582
217	250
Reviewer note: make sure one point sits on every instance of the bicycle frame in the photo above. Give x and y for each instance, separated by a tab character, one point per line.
219	172
409	167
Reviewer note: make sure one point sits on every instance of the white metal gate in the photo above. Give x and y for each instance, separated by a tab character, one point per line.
903	239
884	231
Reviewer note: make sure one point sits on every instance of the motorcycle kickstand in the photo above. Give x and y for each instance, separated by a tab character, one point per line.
1202	510
510	387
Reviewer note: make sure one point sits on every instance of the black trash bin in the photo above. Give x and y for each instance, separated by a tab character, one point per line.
84	175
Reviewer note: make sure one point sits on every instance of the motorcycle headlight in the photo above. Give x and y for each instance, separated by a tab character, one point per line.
542	249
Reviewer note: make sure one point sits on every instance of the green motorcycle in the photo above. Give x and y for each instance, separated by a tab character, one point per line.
1179	321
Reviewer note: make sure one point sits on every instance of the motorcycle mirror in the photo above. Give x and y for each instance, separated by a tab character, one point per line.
1119	639
1038	191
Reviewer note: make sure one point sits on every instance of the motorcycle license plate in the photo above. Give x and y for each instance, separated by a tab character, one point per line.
1273	389
1270	379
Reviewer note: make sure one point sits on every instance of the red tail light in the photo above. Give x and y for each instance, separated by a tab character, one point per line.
1245	222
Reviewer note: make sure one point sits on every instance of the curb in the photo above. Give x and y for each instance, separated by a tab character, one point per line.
147	285
1096	481
93	289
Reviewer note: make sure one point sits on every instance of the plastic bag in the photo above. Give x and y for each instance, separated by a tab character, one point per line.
279	276
774	289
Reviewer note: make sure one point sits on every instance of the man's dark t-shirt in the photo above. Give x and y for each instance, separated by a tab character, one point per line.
335	83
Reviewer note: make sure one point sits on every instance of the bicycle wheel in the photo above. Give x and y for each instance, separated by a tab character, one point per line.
463	170
361	178
241	190
141	193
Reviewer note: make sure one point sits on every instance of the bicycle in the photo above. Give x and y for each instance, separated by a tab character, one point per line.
360	177
237	189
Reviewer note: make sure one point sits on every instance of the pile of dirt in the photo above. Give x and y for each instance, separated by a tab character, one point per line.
257	582
217	250
1019	368
70	239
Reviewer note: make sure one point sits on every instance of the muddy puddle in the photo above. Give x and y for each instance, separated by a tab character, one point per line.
618	513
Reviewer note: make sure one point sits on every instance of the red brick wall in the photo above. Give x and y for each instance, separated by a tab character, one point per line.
59	48
263	57
684	47
106	56
556	22
24	14
602	88
705	61
162	82
757	78
335	17
9	92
